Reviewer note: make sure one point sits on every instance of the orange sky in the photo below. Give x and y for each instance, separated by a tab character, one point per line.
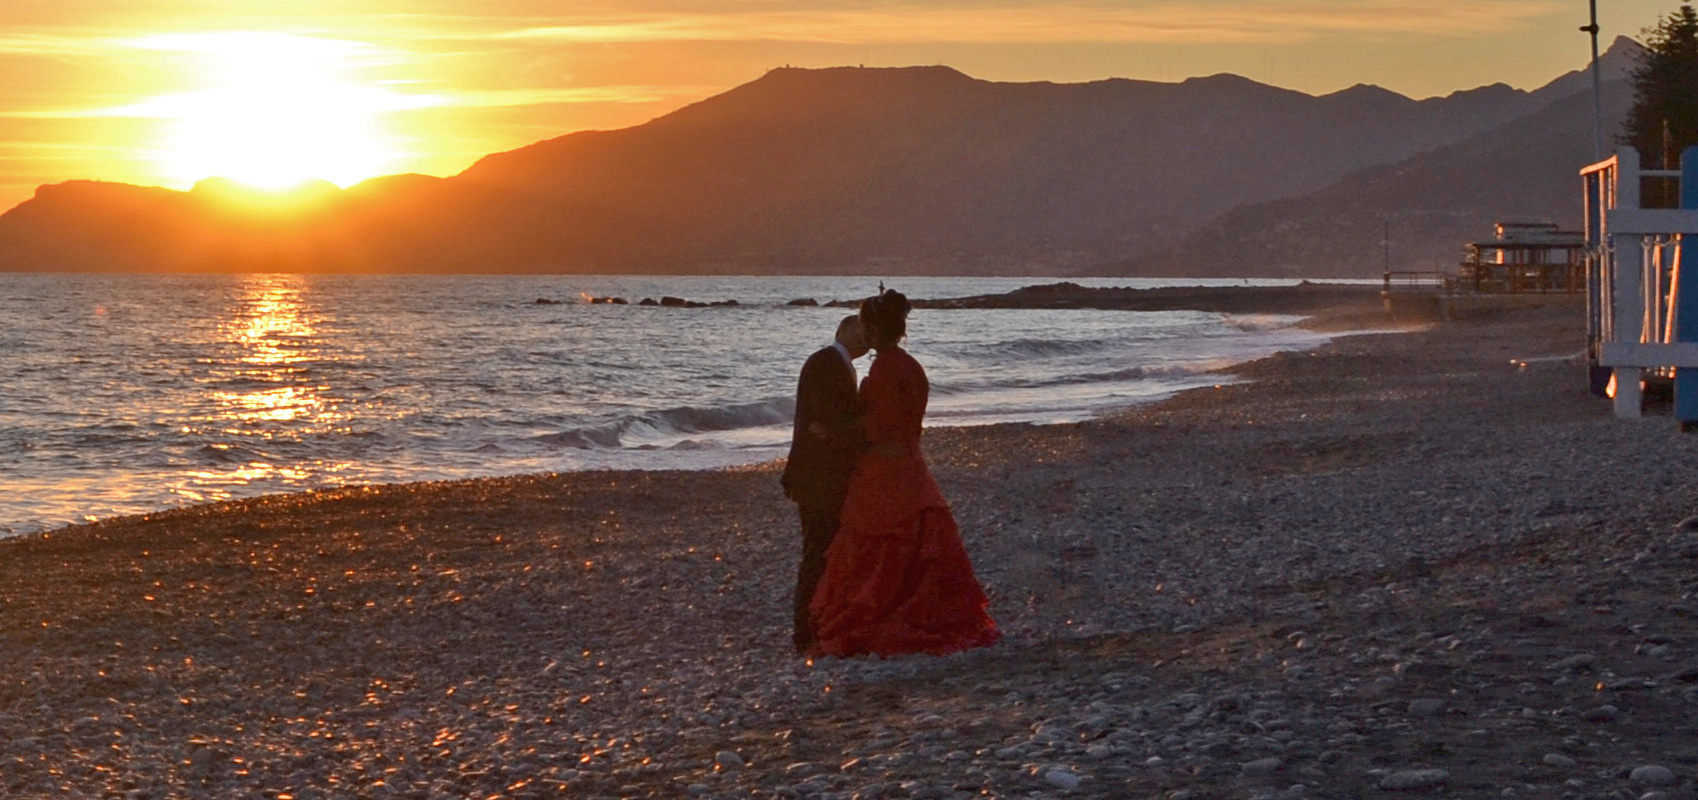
169	91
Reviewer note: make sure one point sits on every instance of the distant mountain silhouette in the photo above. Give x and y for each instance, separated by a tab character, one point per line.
1526	169
890	171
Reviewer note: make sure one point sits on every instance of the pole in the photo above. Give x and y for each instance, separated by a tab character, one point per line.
1386	243
1597	99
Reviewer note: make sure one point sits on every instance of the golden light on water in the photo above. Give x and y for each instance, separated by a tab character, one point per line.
284	404
272	332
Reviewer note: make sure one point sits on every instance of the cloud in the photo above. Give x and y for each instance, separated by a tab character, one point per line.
54	45
1249	21
175	106
509	98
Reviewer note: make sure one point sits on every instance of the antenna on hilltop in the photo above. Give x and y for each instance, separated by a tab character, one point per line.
1597	102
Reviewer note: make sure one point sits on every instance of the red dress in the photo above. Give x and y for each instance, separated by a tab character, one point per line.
897	579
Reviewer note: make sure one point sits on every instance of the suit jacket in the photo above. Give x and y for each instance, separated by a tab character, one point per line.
818	471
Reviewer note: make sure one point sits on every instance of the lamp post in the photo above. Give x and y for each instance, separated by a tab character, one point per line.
1597	100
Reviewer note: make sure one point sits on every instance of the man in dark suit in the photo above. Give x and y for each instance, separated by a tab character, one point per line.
823	445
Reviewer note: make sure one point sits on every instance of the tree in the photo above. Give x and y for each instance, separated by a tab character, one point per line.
1664	118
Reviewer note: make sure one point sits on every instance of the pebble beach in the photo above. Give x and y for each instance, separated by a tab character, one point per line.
1412	563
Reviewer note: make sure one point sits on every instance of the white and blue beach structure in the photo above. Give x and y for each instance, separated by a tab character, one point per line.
1642	294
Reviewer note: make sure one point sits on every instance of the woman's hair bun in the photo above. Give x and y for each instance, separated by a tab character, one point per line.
892	302
888	312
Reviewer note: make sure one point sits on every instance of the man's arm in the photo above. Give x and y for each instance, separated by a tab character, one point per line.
844	427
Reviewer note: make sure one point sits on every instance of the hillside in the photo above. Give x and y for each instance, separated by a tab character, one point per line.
888	171
1432	204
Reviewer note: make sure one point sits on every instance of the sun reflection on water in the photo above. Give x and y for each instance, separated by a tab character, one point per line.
274	335
261	391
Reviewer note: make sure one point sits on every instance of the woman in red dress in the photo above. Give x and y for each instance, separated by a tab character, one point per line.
897	578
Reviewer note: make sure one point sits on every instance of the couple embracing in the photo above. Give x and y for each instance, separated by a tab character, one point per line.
883	569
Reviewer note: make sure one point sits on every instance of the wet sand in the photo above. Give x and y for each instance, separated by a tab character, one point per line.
1395	564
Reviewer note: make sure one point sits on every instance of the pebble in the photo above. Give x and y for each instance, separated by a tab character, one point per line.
1414	780
1426	707
1652	775
1062	778
1262	767
1683	675
951	728
1605	713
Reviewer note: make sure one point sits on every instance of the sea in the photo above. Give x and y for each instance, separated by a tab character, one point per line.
123	394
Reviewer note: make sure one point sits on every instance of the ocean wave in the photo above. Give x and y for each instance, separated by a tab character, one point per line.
227	454
670	422
1260	323
1040	348
581	439
1150	372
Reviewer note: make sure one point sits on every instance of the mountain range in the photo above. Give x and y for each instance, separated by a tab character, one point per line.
903	171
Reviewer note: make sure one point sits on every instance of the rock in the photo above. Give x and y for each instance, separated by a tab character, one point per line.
1261	767
1421	671
202	758
1688	525
1574	663
803	301
1426	707
1414	780
648	301
1652	775
1062	778
727	759
673	302
1684	675
1559	761
1604	713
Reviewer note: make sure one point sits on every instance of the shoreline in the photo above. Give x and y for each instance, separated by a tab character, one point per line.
1393	561
1329	309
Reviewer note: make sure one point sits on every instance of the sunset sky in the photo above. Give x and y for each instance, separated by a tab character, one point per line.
170	91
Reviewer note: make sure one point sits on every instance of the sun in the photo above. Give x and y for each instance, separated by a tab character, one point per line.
276	110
